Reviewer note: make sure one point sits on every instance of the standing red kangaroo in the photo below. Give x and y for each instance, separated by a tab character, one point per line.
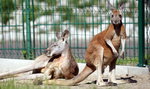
102	51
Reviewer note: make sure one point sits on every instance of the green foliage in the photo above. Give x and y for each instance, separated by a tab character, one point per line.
86	4
83	3
147	59
18	2
56	27
49	2
74	3
5	17
63	9
65	12
41	31
47	12
80	20
120	2
147	56
28	56
6	7
35	12
24	53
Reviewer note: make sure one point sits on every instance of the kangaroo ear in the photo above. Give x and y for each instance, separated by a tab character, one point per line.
121	6
110	6
65	34
58	36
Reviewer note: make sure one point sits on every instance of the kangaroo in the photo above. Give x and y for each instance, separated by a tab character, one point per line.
102	51
64	66
57	59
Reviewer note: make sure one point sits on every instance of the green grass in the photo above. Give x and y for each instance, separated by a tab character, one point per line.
15	85
80	60
147	59
125	61
29	85
132	61
128	61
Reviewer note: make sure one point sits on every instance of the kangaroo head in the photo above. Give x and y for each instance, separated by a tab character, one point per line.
116	16
60	45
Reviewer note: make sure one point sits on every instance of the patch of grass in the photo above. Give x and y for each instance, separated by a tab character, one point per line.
125	61
80	60
128	61
15	85
147	59
24	53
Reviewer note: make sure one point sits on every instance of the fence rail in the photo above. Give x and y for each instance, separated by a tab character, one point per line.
28	26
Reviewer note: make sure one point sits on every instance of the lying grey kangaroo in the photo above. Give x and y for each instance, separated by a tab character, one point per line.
102	51
58	62
63	66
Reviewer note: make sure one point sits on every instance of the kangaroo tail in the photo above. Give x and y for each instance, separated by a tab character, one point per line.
39	62
26	77
84	74
20	70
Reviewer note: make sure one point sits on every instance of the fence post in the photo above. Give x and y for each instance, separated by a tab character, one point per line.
141	19
28	30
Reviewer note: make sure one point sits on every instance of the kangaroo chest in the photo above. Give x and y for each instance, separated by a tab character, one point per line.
116	40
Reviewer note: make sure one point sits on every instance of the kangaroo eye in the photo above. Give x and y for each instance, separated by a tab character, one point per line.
63	39
120	16
54	45
112	15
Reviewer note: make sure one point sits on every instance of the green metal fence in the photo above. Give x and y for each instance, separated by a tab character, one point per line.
147	32
28	26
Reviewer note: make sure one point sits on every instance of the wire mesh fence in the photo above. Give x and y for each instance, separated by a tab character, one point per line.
28	26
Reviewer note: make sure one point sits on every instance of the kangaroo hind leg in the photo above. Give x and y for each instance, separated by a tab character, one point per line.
99	65
112	77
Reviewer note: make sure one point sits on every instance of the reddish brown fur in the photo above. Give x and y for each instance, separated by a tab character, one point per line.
99	40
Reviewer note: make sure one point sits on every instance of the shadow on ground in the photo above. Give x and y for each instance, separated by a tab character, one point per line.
128	79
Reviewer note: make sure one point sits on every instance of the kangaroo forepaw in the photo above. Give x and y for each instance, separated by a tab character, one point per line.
115	53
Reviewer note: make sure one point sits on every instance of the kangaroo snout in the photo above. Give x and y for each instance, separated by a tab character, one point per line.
47	52
116	21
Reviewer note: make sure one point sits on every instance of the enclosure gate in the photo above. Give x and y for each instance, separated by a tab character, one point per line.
27	27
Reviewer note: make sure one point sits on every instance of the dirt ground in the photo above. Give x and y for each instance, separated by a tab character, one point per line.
136	82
